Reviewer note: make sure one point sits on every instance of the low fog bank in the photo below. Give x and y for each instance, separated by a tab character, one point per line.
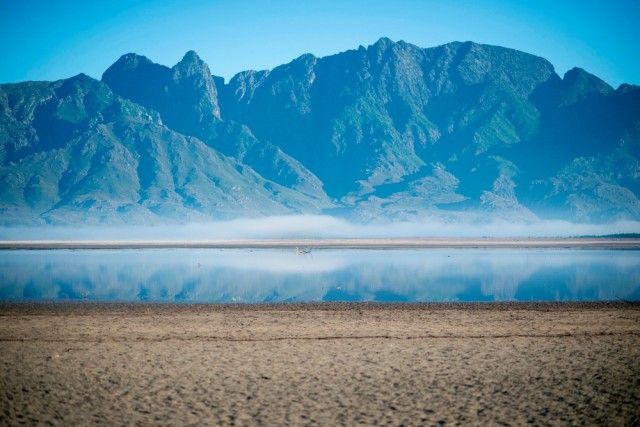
316	227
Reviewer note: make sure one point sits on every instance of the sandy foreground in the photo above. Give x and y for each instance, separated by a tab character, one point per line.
320	364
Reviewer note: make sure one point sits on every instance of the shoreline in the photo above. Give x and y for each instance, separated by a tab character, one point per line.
83	308
315	244
62	306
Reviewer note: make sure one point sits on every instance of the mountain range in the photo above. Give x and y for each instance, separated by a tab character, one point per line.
458	132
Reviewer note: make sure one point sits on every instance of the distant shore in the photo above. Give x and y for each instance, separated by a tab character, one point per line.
320	364
308	244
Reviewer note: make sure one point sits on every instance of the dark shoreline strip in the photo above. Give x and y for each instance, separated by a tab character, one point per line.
92	308
325	338
305	245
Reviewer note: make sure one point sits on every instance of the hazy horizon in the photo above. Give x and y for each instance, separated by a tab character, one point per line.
315	227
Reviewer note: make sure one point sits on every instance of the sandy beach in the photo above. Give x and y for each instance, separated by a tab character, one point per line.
320	364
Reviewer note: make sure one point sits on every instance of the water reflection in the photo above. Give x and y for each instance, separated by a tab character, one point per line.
192	275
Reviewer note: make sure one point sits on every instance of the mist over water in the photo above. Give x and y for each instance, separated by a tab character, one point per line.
316	227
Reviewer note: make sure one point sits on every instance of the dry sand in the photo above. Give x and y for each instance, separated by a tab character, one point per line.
320	364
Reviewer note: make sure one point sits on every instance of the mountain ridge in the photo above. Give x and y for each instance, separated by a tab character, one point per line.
455	132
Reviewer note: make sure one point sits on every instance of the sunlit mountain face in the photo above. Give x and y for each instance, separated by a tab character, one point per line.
459	132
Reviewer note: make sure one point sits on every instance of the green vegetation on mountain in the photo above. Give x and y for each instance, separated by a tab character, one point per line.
461	131
86	155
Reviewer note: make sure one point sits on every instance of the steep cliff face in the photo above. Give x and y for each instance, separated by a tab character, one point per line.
459	131
186	96
385	117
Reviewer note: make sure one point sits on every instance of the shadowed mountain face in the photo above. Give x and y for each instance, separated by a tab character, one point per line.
460	131
77	153
186	96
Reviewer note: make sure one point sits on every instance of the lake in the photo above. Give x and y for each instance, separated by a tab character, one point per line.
252	276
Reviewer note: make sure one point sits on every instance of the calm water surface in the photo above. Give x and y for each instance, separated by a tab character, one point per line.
210	275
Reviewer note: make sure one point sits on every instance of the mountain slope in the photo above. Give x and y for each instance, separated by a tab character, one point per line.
75	152
461	131
497	120
186	96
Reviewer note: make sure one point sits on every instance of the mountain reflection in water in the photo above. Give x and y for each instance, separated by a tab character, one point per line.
208	275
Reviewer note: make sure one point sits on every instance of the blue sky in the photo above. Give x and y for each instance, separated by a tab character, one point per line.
49	40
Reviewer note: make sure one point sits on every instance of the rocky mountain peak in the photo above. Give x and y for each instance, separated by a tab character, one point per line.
380	49
193	92
383	43
127	61
306	58
185	95
191	64
191	56
579	85
627	88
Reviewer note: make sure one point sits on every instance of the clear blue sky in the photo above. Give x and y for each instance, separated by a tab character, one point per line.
48	40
